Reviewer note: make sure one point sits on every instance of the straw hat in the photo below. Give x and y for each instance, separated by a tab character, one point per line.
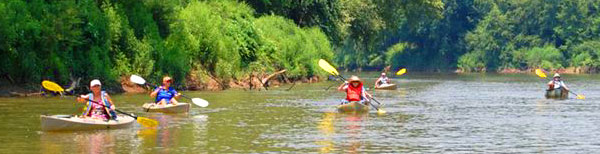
354	78
556	75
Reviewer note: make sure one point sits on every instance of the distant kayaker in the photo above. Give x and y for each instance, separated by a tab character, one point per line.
383	79
103	107
557	83
165	94
355	90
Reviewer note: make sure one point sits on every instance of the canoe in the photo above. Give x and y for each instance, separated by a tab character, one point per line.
169	108
70	123
557	94
353	107
387	87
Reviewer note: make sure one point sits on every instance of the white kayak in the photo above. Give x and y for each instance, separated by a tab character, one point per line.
387	87
70	123
169	108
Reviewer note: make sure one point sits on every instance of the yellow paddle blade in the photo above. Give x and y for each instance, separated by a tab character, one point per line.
540	73
580	97
401	71
380	111
52	86
147	122
327	67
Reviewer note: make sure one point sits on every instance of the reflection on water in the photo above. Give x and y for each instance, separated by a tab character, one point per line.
428	113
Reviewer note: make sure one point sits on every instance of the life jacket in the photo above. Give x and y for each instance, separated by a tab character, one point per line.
104	101
557	84
354	93
167	94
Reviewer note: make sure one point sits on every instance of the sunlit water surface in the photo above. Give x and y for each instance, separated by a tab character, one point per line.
429	113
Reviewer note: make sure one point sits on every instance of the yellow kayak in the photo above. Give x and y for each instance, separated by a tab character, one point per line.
353	107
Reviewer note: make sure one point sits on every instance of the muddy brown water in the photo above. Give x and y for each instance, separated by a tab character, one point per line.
428	113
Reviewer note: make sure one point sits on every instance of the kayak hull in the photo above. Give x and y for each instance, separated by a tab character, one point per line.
179	108
557	94
72	123
387	87
353	107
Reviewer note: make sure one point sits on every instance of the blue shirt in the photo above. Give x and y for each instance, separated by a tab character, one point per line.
165	94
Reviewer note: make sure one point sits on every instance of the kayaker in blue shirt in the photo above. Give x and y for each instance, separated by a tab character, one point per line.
165	94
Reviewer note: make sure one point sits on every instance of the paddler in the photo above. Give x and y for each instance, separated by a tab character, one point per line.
383	79
103	107
165	94
355	91
557	83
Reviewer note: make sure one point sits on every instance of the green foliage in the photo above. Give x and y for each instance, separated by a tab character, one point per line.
533	33
587	54
109	39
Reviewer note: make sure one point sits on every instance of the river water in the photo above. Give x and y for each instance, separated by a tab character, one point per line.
429	113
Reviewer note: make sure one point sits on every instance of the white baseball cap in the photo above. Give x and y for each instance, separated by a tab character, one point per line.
95	82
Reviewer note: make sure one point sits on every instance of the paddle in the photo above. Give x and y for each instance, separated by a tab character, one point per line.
541	74
146	122
331	70
197	101
53	87
401	72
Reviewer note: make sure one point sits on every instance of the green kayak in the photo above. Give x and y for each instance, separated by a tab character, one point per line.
557	94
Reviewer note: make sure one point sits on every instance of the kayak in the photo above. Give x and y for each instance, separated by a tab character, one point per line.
387	86
69	123
169	108
353	107
557	93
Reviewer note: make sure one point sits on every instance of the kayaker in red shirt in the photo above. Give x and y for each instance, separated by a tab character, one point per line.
354	90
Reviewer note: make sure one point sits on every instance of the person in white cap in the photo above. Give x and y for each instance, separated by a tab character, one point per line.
103	107
383	79
355	91
557	83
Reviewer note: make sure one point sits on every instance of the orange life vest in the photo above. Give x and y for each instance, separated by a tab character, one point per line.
354	93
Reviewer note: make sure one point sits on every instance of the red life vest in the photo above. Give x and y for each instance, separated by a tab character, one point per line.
354	93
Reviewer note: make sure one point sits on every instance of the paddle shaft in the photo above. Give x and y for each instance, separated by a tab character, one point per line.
179	95
135	117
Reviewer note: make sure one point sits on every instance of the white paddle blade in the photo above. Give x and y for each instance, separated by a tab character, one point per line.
137	79
200	102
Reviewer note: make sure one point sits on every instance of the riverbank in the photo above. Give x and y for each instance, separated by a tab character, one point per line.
568	70
194	82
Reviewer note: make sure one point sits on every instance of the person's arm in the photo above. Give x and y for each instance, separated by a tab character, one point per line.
112	105
377	81
564	85
177	95
343	87
369	96
82	98
153	94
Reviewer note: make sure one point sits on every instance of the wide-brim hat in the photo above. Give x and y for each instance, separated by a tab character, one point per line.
354	78
556	75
